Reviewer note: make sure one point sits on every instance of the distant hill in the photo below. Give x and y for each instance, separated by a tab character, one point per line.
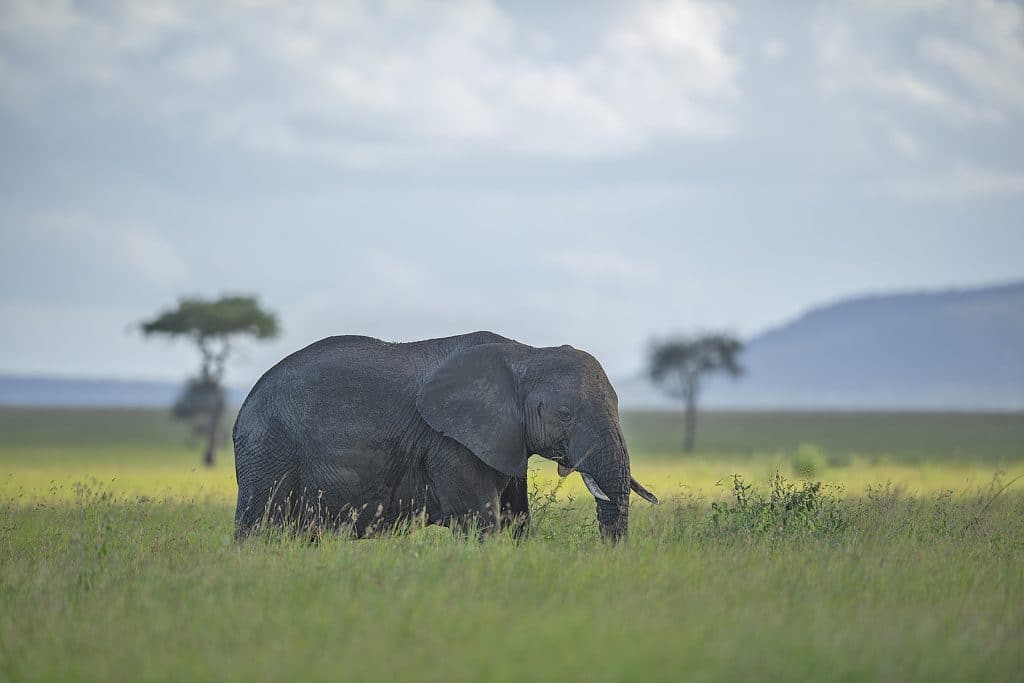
951	350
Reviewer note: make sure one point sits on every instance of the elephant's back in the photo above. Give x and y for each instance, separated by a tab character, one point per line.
326	380
346	388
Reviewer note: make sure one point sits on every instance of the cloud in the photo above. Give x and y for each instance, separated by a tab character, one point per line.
389	272
590	265
365	83
143	253
905	142
962	182
204	65
773	50
988	59
913	91
926	95
896	55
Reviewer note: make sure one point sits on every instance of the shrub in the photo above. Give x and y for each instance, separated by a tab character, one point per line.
808	461
785	509
554	519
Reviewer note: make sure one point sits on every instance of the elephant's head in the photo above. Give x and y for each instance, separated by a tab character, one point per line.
506	401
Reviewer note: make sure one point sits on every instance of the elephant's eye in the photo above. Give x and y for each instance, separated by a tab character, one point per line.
564	411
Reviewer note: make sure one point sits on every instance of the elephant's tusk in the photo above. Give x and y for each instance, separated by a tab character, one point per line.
642	492
595	490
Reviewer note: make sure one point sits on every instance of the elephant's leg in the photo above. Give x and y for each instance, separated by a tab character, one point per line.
483	518
267	483
265	501
515	508
341	492
467	492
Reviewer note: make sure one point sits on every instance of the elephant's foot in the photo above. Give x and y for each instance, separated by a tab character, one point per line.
473	525
518	525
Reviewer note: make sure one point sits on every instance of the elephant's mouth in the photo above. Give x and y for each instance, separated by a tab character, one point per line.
595	490
607	484
564	470
560	459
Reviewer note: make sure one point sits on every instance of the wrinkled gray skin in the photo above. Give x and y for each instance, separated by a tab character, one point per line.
357	430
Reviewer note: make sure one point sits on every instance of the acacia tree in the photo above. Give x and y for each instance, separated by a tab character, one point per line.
678	365
213	326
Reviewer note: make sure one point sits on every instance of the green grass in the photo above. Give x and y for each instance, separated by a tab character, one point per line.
912	437
899	437
132	575
74	428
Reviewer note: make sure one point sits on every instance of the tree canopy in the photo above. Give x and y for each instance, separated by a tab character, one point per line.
687	358
222	317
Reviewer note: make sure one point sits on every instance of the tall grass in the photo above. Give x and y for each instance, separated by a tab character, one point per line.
894	555
780	581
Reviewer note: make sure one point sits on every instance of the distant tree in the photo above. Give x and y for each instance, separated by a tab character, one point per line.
678	365
213	326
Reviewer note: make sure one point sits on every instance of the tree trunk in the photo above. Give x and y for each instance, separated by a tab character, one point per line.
210	457
690	389
690	424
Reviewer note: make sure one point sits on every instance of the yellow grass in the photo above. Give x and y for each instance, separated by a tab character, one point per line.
28	474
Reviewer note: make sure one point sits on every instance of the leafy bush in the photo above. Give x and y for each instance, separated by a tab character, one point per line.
554	519
808	461
784	509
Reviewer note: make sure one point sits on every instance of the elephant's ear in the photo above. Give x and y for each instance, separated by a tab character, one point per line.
472	398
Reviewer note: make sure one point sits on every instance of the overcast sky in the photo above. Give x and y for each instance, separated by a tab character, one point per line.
592	174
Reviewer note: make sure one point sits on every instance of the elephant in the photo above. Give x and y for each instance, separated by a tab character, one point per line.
357	432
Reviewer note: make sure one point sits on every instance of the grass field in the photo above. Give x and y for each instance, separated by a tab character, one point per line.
116	563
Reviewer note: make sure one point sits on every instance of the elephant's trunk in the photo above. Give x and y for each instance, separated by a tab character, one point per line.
601	458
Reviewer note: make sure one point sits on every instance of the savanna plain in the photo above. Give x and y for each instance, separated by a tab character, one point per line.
791	546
